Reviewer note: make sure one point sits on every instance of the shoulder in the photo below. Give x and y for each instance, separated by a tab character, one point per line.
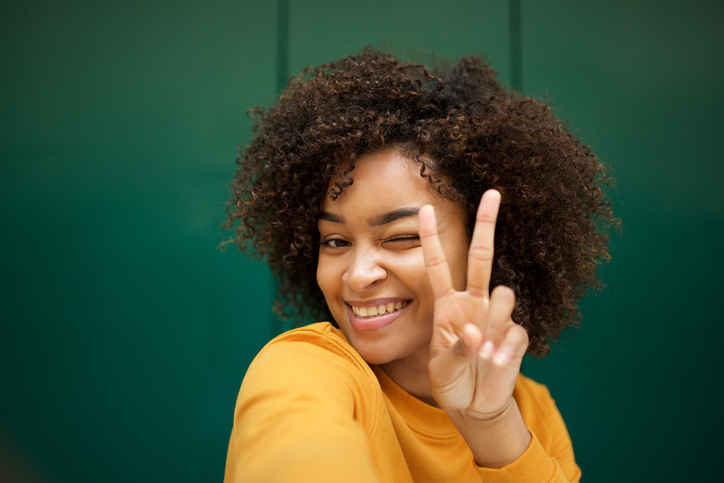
306	407
320	335
529	391
314	363
307	347
534	400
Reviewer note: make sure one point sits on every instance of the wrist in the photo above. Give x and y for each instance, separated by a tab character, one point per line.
495	439
469	416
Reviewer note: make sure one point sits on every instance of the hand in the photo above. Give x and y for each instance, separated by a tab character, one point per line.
476	348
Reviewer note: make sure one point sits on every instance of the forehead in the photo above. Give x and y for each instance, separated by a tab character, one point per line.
387	183
383	176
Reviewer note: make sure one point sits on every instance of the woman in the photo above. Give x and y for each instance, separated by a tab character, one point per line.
445	226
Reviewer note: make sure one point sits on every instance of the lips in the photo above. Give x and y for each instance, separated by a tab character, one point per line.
382	309
375	314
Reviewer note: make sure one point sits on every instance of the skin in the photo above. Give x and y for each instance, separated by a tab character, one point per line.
454	345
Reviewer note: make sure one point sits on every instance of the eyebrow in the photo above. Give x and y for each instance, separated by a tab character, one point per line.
327	216
394	216
378	221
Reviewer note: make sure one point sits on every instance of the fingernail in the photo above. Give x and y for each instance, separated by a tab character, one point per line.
486	350
501	358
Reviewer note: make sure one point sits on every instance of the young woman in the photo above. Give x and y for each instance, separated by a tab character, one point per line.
444	226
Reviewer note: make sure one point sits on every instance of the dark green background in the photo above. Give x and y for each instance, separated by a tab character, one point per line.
125	333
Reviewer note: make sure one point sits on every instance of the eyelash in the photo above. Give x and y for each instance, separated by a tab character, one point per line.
328	242
406	238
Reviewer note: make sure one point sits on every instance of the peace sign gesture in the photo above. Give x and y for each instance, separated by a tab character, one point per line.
476	348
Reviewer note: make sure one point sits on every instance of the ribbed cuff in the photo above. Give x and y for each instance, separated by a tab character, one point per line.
533	466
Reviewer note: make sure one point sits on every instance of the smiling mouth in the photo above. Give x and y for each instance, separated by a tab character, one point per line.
382	309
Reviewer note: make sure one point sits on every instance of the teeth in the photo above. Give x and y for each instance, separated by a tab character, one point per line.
379	310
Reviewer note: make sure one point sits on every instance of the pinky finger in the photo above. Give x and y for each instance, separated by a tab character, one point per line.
513	347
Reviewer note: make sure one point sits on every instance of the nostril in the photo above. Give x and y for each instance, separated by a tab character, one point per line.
359	278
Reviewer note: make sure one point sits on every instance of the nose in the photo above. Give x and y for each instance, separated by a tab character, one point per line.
365	269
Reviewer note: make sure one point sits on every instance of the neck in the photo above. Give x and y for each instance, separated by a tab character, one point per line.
412	377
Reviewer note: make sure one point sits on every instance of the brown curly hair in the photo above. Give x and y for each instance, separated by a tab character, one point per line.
469	134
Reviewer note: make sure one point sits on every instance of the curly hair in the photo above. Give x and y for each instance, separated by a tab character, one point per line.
469	134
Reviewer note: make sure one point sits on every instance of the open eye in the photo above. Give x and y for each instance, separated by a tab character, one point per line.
335	243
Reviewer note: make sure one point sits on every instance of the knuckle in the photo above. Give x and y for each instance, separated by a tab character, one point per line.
476	288
485	218
480	253
492	332
504	293
435	261
518	334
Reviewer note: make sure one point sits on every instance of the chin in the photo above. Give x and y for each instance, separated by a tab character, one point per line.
374	354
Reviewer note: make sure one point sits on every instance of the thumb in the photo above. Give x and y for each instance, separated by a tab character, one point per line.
449	363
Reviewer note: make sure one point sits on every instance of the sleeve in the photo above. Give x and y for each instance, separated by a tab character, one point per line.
549	458
294	420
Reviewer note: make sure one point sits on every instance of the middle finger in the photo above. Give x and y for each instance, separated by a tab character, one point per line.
480	255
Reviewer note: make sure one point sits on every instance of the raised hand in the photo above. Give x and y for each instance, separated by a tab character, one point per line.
476	348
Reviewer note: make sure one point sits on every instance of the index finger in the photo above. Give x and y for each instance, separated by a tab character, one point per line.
438	270
480	255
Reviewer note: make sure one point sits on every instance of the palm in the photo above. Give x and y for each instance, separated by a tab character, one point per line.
476	348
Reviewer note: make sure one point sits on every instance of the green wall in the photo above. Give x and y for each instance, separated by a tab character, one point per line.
125	333
642	81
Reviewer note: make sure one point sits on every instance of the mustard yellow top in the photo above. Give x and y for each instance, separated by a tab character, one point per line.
311	409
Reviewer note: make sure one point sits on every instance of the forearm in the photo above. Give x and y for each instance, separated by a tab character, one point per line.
495	442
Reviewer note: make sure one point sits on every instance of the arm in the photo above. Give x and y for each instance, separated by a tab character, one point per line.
545	422
294	420
476	352
549	457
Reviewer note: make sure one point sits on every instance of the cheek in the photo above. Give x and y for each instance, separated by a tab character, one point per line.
326	278
411	270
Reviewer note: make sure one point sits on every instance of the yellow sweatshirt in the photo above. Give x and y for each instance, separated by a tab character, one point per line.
311	409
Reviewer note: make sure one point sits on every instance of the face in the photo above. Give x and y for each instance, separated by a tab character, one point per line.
371	267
